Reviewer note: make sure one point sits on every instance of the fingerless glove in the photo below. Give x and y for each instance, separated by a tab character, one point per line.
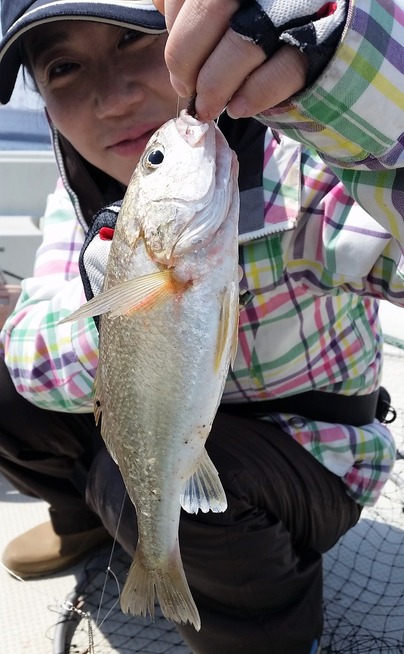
313	26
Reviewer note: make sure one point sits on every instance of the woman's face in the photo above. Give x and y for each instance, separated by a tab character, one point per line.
106	89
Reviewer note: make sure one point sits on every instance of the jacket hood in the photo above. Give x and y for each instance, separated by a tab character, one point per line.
89	188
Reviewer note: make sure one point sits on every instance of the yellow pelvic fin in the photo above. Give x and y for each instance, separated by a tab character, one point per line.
225	330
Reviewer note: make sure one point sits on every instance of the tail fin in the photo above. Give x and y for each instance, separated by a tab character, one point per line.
169	584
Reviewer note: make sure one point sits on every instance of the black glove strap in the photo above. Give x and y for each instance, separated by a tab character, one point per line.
253	23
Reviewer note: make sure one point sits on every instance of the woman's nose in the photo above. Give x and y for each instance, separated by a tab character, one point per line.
116	94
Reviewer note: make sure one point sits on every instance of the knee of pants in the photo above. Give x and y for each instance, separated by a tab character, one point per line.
268	479
233	557
30	433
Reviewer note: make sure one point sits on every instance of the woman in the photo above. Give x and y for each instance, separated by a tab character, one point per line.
296	441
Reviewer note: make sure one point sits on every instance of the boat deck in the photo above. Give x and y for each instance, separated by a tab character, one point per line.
363	580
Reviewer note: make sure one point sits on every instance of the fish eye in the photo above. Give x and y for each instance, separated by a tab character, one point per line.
153	158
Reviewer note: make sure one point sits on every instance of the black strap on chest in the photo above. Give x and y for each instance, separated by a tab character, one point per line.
355	410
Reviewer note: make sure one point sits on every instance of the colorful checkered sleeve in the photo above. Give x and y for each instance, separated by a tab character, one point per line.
53	365
361	456
353	114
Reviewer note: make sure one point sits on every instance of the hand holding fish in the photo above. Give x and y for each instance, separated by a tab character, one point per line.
243	57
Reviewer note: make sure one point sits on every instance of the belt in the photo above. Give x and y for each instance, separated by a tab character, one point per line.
355	410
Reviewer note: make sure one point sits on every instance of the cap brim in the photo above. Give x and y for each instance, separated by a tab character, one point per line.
137	14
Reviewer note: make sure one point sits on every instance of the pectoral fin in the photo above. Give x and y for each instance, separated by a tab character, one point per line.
133	295
204	491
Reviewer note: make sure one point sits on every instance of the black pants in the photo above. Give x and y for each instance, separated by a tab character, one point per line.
255	571
48	455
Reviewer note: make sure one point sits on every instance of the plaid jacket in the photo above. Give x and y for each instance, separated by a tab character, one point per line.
314	266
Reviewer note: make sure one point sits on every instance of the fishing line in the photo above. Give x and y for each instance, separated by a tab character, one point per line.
110	570
86	615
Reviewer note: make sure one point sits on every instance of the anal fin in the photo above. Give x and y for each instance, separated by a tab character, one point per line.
204	491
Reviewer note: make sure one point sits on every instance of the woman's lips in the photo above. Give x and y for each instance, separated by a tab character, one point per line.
132	145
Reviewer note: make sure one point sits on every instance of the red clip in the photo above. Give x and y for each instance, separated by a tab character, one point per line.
327	9
106	233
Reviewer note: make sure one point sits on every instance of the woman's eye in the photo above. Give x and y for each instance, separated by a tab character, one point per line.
59	70
131	36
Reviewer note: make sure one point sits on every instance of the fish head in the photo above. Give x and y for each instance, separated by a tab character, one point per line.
186	178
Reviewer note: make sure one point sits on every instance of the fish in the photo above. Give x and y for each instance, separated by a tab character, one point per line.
168	336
